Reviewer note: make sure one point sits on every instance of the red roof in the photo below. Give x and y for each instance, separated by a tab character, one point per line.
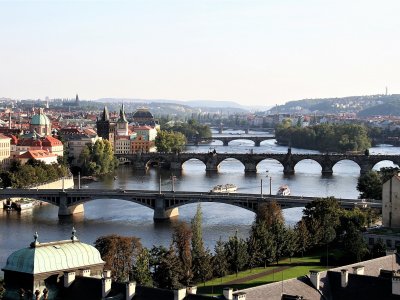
50	141
35	154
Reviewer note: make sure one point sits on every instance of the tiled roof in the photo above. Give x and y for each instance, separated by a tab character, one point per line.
35	154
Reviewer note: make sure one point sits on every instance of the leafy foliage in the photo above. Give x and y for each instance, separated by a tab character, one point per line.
32	173
325	137
191	130
370	183
170	141
98	159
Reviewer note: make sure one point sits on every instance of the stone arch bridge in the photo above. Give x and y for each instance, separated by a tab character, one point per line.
142	161
166	204
227	139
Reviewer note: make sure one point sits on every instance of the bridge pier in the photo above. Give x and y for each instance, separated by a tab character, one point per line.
364	168
288	169
257	143
225	142
327	170
139	165
65	210
175	165
160	213
250	167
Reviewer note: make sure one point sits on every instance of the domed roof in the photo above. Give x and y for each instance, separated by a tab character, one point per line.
40	119
53	257
143	113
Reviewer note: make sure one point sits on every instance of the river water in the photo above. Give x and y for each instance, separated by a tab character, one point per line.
104	217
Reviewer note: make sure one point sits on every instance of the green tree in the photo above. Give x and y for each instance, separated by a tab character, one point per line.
201	259
291	243
170	141
303	236
370	185
354	244
98	159
169	270
181	238
378	249
236	253
219	260
141	269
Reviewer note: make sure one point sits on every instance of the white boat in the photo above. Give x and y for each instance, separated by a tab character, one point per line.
22	205
226	188
283	191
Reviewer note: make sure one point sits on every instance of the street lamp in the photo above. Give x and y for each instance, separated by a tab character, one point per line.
270	183
173	178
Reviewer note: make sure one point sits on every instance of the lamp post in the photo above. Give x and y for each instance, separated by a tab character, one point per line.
173	178
270	183
261	191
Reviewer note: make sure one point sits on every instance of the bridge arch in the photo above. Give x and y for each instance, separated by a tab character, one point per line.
347	166
385	163
252	207
230	160
249	142
150	203
159	160
192	160
310	165
269	164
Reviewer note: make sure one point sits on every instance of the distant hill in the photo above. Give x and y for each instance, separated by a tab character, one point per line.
385	109
192	103
365	105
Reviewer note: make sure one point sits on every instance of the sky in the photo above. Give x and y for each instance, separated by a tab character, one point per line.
254	52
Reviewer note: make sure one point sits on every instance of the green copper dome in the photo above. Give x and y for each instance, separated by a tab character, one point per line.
40	119
53	257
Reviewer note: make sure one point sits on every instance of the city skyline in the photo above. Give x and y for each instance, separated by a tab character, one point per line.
258	53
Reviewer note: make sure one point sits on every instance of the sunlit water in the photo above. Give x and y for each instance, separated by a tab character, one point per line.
104	217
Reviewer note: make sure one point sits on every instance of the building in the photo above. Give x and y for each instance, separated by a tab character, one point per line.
5	151
70	269
40	124
76	143
368	280
143	117
43	266
40	155
391	203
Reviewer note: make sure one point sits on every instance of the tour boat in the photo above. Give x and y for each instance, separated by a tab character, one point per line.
283	191
226	188
22	205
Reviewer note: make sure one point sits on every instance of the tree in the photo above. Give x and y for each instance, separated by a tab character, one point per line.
236	253
378	249
181	238
170	141
98	159
302	236
370	185
219	260
141	269
119	253
354	244
169	270
201	259
291	243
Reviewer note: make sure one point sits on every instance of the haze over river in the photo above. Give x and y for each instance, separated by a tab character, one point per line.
104	217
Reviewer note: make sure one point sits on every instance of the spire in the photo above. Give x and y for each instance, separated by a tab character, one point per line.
105	116
77	98
122	117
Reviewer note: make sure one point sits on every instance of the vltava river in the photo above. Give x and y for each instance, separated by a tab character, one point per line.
104	217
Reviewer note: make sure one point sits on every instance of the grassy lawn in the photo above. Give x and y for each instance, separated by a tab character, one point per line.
298	266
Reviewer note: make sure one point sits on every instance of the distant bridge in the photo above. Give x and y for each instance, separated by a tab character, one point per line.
165	204
257	139
212	161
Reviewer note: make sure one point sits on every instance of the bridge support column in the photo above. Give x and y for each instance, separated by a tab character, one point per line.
327	170
225	142
65	210
250	167
211	166
160	213
364	168
175	165
288	169
257	143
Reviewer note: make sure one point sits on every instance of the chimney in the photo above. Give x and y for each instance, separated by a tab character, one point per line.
106	287
69	278
395	285
130	290
359	270
239	296
191	290
179	294
107	273
314	277
344	278
227	292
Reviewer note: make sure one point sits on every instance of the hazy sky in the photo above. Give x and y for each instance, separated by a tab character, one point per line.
253	52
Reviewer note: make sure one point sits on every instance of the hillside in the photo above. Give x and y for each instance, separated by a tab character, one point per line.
369	105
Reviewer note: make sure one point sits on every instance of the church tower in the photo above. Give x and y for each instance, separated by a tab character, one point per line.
122	123
103	125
